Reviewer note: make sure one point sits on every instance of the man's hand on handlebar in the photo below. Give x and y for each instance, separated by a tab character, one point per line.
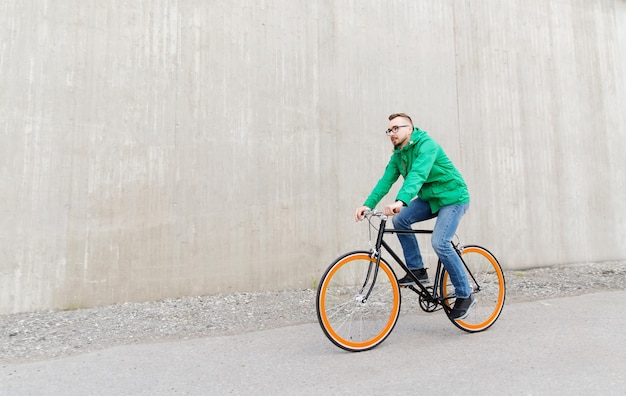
360	212
393	208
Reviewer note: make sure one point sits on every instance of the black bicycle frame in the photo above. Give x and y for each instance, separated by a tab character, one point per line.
422	291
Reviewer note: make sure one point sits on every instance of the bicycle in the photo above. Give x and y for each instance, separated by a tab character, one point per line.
358	297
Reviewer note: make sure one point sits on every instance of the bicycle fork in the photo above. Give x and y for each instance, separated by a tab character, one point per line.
372	271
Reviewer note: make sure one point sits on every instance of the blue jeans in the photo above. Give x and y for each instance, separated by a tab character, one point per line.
448	219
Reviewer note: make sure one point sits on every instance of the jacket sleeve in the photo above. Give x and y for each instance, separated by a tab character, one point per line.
384	184
423	162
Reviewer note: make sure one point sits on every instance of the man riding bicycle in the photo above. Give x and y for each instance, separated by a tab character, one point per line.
432	187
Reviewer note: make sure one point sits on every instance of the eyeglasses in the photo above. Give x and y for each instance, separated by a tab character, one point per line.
394	129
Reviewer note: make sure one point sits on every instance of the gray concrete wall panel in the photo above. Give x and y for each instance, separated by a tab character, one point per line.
153	149
538	95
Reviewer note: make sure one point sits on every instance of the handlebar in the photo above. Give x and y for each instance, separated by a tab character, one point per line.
374	213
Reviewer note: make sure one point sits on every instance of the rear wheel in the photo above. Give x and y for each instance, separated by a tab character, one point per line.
350	318
487	281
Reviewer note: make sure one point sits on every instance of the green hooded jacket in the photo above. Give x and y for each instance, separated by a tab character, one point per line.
428	174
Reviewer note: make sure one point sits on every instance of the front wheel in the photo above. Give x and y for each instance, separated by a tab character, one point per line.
358	301
487	282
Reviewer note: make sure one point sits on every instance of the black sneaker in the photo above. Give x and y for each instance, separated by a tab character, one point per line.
462	307
420	274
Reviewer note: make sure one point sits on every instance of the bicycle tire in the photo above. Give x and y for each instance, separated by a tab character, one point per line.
488	285
348	322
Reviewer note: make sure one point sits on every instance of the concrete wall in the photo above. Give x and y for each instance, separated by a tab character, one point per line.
153	149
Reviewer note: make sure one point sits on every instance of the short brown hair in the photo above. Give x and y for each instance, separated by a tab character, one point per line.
395	115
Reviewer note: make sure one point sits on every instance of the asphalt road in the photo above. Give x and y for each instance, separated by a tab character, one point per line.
564	346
